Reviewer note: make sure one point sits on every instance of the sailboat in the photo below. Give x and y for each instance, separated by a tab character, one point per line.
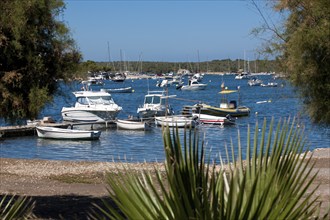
246	71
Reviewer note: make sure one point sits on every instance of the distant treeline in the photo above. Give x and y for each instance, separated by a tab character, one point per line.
226	65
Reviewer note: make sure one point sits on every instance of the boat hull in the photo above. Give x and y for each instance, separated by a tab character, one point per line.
151	113
75	114
132	125
194	88
236	112
70	134
215	120
118	90
175	121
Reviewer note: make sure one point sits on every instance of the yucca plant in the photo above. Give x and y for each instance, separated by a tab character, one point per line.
270	183
16	207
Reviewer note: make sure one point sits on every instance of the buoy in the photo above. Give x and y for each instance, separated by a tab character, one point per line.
256	113
133	90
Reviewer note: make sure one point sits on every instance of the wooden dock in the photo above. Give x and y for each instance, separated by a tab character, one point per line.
25	130
30	130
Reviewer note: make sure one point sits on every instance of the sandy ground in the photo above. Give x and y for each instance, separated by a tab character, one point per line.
66	189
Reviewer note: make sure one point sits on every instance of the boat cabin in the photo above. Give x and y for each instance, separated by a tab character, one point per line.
91	98
154	99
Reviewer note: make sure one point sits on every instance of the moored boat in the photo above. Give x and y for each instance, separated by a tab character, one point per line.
254	82
155	105
132	124
226	108
214	120
91	106
193	84
61	133
179	121
118	90
270	84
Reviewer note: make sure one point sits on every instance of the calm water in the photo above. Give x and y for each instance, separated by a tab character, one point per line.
139	146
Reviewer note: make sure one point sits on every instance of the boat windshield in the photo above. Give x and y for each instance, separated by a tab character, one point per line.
104	100
152	100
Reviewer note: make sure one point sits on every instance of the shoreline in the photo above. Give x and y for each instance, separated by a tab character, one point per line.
63	189
36	170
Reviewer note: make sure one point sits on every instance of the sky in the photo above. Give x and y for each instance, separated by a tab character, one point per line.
165	30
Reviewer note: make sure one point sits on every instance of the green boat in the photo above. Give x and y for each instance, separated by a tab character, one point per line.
225	108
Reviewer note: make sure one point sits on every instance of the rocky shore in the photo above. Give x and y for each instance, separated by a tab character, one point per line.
66	189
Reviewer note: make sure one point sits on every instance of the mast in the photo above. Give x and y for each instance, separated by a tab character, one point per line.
198	70
113	64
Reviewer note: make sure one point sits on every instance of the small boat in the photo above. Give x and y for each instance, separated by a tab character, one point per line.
118	90
179	121
226	108
62	133
163	83
270	84
215	120
193	84
254	82
132	124
198	77
119	77
243	75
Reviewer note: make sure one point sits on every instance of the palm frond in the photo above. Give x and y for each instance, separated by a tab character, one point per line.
16	207
270	183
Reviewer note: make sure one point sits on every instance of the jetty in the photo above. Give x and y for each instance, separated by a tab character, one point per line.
30	129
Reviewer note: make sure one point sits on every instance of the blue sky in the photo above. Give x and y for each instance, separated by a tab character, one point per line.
175	31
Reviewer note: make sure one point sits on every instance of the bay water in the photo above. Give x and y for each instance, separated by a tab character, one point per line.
279	103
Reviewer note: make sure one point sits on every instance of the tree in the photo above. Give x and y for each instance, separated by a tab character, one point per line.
303	42
35	50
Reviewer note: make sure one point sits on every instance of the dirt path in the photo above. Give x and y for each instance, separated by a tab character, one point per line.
66	189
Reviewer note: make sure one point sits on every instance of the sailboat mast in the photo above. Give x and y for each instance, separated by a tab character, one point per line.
109	55
121	61
198	61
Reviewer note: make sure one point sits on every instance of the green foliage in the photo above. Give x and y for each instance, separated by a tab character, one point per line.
36	49
271	183
12	207
303	42
36	104
307	54
226	65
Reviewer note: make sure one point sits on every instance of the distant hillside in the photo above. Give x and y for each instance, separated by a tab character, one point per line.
166	67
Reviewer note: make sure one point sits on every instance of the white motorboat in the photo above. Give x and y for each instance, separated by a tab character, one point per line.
163	83
132	124
193	84
91	106
212	119
198	77
243	75
179	121
61	133
119	77
270	84
254	82
155	104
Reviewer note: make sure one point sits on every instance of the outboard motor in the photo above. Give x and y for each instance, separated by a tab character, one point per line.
232	104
